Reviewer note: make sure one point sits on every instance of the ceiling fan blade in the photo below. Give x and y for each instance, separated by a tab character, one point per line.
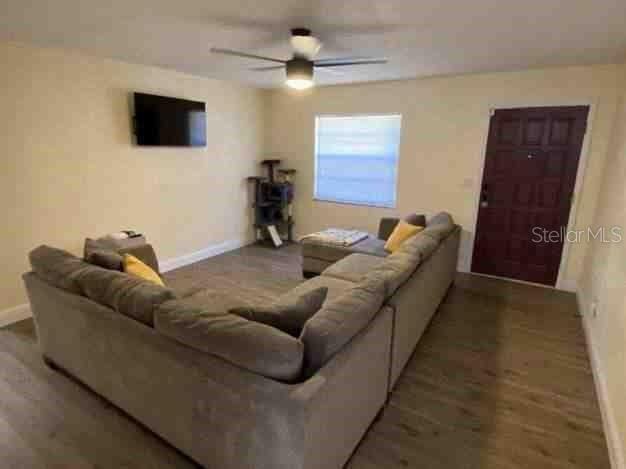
332	71
266	69
356	62
354	58
235	53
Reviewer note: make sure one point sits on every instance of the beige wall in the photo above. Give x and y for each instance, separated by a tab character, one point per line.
604	282
69	169
444	122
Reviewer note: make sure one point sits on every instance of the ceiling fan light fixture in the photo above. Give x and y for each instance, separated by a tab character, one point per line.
299	73
299	84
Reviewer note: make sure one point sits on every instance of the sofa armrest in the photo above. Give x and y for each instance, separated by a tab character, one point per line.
345	395
386	227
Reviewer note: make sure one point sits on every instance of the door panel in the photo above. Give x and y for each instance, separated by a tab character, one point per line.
530	170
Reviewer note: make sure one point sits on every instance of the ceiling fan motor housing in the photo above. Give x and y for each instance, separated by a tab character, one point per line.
299	68
300	32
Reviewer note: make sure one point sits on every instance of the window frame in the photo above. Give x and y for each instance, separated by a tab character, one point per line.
315	169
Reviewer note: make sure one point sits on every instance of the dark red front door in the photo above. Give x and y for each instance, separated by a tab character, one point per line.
528	182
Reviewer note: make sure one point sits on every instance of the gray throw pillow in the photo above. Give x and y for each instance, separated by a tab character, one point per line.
102	255
415	219
287	315
106	259
92	245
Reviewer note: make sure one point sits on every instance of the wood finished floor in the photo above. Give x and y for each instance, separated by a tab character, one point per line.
501	379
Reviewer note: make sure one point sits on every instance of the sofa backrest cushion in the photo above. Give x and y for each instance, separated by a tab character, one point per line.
126	294
441	218
415	219
419	245
289	314
57	267
439	226
399	266
339	321
256	347
396	270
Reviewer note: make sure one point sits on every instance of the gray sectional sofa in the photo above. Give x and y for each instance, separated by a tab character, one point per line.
316	256
235	393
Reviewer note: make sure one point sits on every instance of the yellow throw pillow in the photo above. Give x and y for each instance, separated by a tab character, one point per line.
400	234
134	266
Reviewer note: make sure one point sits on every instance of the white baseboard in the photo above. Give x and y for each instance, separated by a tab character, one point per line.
210	251
567	285
15	314
613	440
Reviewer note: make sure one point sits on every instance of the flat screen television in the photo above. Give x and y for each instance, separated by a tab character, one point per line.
170	122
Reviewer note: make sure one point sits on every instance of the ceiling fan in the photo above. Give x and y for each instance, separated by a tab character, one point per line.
300	68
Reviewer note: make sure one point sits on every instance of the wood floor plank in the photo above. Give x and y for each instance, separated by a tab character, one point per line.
15	451
500	380
48	397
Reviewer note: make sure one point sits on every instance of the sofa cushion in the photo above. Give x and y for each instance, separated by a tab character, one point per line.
441	218
396	270
57	267
353	267
310	265
335	288
189	291
215	299
372	246
415	219
97	253
327	252
339	321
288	314
126	294
92	245
106	259
420	245
250	345
439	226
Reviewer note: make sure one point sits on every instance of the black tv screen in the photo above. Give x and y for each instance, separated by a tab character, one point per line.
171	122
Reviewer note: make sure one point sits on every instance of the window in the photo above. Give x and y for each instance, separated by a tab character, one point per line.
356	159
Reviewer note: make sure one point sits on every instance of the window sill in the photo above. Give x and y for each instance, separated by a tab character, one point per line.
354	204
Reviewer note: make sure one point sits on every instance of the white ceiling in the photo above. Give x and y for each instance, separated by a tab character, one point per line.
420	38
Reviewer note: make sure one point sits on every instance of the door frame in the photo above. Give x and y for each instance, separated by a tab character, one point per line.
561	283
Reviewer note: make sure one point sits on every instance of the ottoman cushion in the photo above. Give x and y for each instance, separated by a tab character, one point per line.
327	252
